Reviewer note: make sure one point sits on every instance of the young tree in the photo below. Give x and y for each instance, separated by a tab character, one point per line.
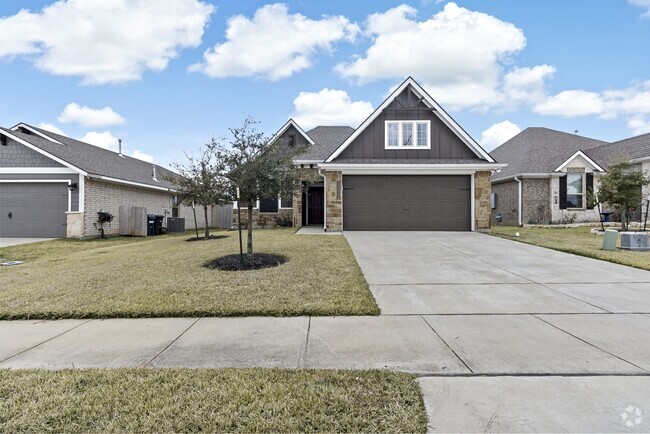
259	167
621	188
201	181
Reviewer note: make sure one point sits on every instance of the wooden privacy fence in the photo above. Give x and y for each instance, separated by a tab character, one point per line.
133	221
222	216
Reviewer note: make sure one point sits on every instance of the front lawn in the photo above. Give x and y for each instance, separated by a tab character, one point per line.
224	400
578	241
164	276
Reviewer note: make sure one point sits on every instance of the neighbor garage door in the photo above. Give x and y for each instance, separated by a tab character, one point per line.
406	203
33	210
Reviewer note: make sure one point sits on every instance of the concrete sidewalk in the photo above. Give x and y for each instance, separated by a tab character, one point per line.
432	344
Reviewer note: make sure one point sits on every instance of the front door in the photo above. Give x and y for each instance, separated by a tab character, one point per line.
315	198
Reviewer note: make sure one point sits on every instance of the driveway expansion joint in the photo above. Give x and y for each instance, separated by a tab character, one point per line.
588	343
447	345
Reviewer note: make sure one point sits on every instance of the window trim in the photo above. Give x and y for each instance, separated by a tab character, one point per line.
582	194
284	207
414	136
257	205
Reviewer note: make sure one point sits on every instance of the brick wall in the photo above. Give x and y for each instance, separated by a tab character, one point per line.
108	197
17	155
482	209
536	201
507	202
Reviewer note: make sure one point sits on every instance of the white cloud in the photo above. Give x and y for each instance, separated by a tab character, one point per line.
142	156
89	117
329	107
51	128
273	44
104	41
498	134
645	4
104	140
571	103
457	53
526	85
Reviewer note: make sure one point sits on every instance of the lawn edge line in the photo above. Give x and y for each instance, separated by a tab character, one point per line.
47	340
570	251
172	342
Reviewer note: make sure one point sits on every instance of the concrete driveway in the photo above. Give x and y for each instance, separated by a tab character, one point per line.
7	242
550	339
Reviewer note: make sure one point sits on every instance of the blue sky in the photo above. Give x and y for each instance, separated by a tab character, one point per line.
138	69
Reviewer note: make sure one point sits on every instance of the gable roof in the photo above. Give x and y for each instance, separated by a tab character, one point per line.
634	148
433	105
539	150
92	160
285	127
585	157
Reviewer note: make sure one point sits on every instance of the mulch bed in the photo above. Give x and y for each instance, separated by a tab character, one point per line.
212	237
255	261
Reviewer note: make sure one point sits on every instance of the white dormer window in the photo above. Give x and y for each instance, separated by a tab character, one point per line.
408	135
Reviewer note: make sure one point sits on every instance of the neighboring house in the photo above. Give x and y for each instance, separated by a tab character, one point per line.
54	186
550	173
408	166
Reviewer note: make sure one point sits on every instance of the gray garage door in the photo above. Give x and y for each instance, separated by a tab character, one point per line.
406	203
33	210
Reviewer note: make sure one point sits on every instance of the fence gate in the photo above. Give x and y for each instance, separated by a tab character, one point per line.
222	216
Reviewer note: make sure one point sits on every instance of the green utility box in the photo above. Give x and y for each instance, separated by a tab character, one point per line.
609	240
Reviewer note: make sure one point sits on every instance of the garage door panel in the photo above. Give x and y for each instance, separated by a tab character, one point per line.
433	202
37	209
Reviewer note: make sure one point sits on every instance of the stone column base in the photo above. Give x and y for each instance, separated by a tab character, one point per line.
75	224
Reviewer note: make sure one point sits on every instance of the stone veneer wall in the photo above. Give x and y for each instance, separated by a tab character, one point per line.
482	210
334	200
536	201
507	202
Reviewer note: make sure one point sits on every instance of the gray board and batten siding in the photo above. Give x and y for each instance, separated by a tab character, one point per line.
370	144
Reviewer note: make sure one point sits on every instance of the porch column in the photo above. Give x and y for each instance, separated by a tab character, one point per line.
334	200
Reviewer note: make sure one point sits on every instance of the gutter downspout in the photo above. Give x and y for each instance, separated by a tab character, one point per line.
519	216
324	199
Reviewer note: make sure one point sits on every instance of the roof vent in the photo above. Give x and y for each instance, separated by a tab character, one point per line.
153	173
119	147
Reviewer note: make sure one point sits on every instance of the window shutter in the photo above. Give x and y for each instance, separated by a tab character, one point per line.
590	189
563	201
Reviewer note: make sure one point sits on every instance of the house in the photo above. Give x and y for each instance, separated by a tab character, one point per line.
408	166
550	173
54	186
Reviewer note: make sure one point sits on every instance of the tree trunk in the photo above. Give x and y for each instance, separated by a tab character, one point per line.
623	219
205	213
249	241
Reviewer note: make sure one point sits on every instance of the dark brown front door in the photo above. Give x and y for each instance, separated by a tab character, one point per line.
406	203
315	198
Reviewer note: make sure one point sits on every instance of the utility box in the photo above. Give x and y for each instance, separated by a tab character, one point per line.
175	225
609	240
634	241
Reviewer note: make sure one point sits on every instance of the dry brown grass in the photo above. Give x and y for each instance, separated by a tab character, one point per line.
164	276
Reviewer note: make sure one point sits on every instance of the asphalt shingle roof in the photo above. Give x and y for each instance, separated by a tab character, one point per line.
628	149
96	160
408	161
326	140
539	150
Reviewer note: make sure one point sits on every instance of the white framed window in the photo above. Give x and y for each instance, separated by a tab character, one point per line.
408	135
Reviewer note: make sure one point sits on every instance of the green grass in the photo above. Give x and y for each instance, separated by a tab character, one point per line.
578	241
163	276
224	400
